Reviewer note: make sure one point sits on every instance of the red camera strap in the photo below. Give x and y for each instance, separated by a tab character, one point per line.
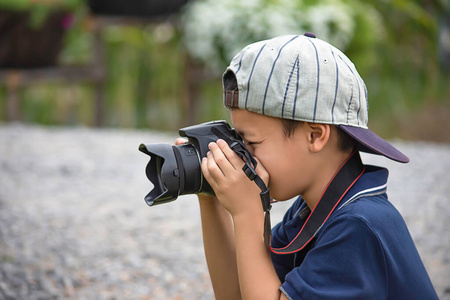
342	181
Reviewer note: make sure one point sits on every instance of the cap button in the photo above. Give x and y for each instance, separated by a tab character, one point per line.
310	34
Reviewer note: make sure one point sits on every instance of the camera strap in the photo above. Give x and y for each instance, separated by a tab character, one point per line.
265	200
236	144
343	180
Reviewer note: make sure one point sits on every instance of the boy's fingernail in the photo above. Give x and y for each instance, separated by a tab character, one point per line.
211	145
220	142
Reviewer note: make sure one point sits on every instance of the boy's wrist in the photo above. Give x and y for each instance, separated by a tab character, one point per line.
252	218
206	199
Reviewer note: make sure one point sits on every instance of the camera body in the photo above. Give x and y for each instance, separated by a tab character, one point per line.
176	170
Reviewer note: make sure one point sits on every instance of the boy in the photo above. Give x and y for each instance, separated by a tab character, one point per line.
301	108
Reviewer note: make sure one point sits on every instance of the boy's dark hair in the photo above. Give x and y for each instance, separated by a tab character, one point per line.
345	142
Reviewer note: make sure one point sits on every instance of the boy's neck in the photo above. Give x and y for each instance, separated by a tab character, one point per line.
327	168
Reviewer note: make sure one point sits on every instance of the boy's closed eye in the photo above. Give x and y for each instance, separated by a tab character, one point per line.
250	143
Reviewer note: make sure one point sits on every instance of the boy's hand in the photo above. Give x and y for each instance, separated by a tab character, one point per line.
222	168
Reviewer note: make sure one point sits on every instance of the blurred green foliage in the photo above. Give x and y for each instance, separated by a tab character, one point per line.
404	75
145	77
147	72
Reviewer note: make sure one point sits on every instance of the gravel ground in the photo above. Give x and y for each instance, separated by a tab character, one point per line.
73	223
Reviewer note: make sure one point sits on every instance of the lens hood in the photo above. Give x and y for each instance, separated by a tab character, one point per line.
161	171
176	170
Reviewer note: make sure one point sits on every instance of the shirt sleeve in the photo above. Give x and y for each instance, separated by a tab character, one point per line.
282	233
347	262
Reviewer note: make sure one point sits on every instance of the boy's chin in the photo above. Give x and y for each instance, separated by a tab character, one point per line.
280	196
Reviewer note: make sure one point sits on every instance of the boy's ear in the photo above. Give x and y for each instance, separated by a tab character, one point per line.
318	135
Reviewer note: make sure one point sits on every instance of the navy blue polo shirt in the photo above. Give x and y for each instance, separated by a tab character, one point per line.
363	251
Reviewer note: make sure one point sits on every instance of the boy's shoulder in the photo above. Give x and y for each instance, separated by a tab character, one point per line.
366	205
368	216
367	237
367	200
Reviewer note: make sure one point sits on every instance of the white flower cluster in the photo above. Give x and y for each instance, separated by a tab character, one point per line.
214	31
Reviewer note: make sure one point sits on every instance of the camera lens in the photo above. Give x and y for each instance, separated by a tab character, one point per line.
189	170
173	170
176	170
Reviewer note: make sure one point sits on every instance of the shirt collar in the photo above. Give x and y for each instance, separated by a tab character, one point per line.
372	182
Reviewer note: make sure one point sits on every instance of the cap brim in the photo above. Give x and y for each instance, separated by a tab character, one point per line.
372	143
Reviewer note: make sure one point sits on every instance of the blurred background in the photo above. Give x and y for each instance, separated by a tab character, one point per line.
157	64
84	82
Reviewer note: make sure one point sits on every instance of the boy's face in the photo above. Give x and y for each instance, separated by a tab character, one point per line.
284	158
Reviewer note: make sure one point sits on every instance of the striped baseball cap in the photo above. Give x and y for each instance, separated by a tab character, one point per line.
300	77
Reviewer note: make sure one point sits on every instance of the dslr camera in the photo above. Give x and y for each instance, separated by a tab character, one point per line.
176	170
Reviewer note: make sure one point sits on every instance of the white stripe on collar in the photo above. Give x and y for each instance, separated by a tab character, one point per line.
378	190
369	192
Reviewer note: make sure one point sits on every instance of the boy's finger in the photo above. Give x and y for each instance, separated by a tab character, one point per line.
180	141
214	169
231	156
220	159
206	172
